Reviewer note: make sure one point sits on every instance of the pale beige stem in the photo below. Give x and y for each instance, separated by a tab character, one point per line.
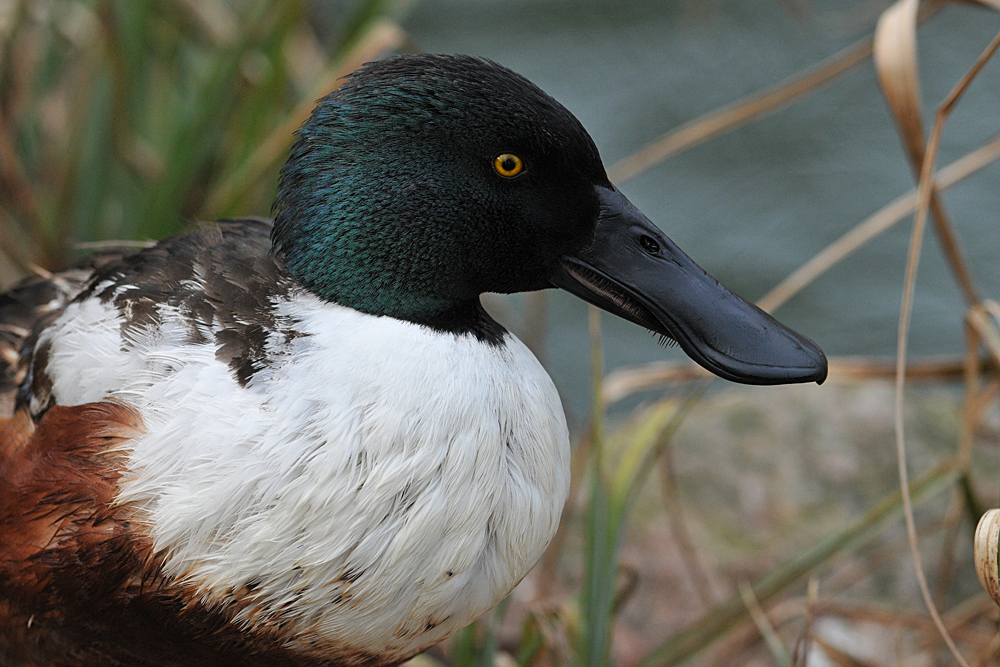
881	221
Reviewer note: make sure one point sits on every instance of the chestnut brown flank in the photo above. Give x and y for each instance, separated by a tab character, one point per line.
79	582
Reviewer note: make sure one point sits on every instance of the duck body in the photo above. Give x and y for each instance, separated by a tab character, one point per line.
305	442
304	470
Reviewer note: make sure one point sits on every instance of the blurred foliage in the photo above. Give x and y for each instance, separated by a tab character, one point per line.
128	119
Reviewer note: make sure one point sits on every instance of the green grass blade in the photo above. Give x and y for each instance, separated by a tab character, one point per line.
597	592
638	440
198	135
601	528
95	151
477	644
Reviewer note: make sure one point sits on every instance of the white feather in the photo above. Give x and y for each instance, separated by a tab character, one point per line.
379	486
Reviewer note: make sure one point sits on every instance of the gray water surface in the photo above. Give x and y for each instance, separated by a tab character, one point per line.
754	204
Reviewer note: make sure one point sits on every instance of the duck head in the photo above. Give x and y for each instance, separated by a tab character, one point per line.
426	180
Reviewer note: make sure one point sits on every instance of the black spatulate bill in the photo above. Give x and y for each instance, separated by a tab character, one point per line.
634	271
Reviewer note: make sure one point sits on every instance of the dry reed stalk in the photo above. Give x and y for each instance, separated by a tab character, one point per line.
702	578
952	526
782	613
694	638
874	614
969	610
556	641
839	657
752	107
843	578
895	48
985	320
624	382
739	113
800	650
983	330
114	244
973	407
959	619
879	222
895	54
767	632
962	621
733	647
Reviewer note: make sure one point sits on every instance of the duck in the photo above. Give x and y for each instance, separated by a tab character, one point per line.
301	440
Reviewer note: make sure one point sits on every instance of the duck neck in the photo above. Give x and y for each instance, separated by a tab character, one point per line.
361	276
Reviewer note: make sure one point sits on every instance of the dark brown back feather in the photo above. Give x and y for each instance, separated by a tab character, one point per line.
26	308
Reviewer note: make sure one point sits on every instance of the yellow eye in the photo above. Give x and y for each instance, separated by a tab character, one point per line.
508	165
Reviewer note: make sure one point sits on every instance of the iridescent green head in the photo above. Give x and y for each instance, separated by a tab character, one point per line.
394	202
426	180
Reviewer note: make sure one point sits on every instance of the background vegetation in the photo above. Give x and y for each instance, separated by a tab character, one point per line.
123	121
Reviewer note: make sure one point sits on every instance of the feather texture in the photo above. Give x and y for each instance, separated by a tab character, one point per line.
372	486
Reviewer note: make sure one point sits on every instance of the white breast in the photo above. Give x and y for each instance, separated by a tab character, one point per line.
379	487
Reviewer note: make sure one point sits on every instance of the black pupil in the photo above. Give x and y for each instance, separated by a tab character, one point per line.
649	245
508	164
